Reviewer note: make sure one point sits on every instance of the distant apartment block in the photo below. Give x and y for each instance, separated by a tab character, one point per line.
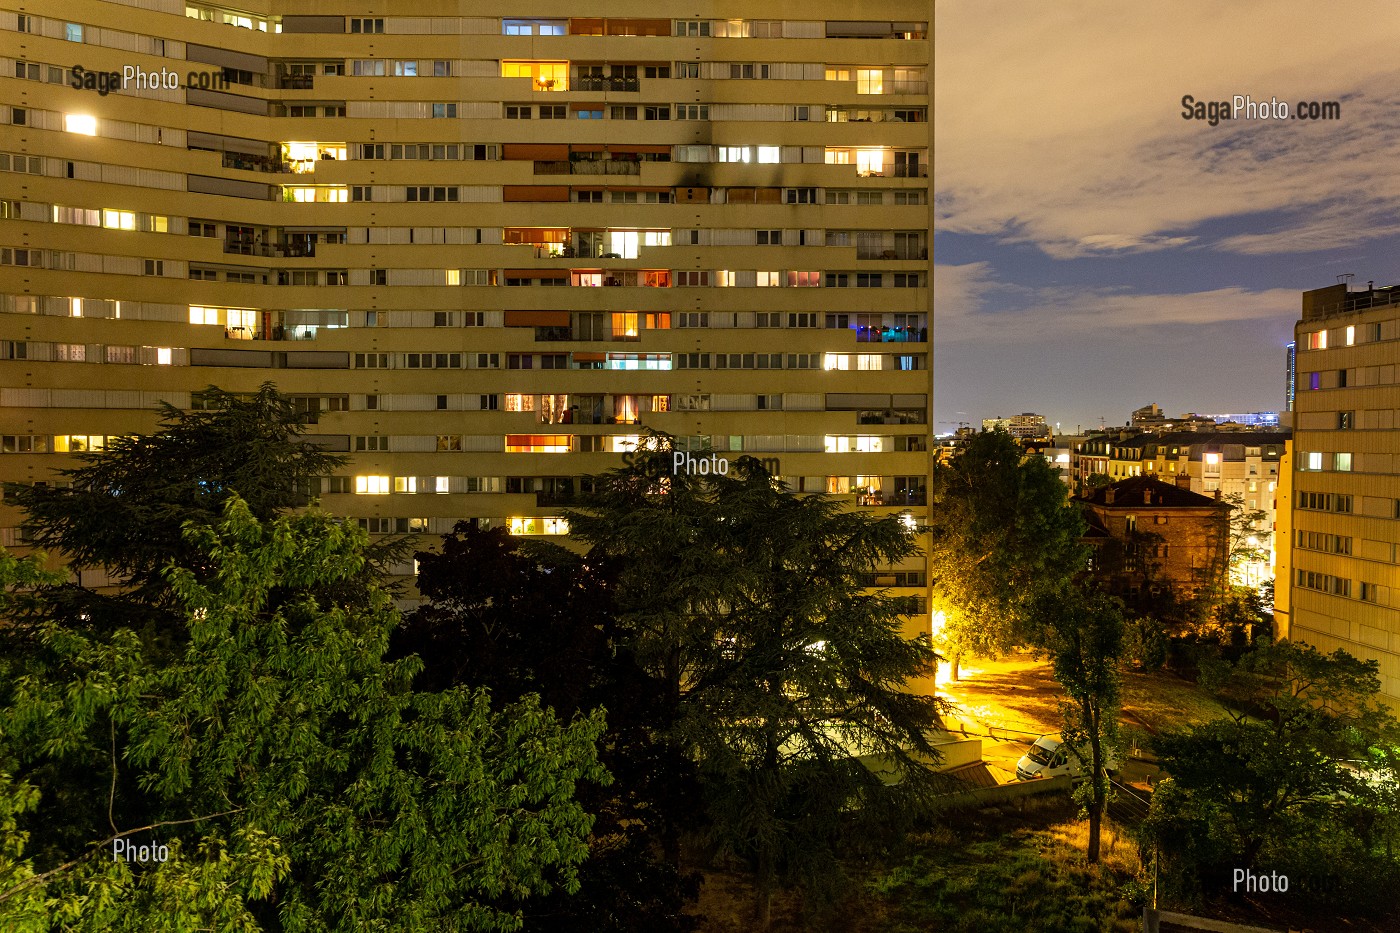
1025	426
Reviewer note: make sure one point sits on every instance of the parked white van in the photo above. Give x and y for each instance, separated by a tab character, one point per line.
1049	757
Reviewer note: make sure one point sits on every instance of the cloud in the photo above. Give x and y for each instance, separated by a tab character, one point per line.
1064	130
972	306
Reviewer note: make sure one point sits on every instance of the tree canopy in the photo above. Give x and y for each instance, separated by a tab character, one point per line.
295	777
1299	778
1003	534
125	508
747	603
518	622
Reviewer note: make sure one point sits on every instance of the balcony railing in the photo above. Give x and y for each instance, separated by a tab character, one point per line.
295	82
271	250
278	332
606	84
892	335
255	163
895	498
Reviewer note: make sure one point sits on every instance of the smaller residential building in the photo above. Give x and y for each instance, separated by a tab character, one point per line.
1151	535
1025	426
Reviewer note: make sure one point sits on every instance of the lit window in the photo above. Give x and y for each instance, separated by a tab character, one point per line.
1351	336
80	123
870	161
869	361
836	361
73	32
454	276
1317	340
162	356
1342	462
405	484
547	76
203	315
770	278
442	484
724	278
119	220
537	443
1314	460
538	526
768	154
870	81
371	485
75	307
1213	459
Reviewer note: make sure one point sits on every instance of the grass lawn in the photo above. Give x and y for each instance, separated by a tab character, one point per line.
1013	871
1159	702
982	871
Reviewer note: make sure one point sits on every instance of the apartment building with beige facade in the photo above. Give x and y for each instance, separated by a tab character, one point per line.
1345	521
485	244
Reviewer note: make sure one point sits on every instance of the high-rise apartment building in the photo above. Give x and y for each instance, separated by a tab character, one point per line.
1345	530
485	245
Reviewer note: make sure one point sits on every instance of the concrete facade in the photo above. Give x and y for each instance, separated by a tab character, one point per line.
1346	477
485	247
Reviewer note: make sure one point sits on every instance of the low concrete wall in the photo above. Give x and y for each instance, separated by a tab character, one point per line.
1153	921
988	796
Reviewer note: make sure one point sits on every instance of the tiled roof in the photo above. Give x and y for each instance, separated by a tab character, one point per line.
1144	491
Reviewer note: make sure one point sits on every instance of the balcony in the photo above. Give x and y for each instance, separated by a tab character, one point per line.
893	416
255	163
590	167
271	250
607	84
892	499
277	332
892	335
295	82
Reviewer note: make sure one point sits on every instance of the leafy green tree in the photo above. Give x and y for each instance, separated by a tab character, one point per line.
1084	633
1003	533
1096	481
298	781
520	621
781	672
1298	778
1230	609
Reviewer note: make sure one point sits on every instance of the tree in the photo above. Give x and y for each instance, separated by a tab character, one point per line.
296	779
1003	533
1084	633
1283	782
519	621
126	507
746	602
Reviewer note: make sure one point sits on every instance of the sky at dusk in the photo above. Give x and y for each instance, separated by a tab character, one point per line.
1094	251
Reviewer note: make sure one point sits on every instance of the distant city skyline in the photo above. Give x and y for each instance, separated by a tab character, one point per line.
1095	251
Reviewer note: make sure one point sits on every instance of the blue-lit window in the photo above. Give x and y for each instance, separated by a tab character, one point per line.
73	32
589	114
533	27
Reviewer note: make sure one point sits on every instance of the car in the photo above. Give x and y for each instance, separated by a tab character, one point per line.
1050	757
